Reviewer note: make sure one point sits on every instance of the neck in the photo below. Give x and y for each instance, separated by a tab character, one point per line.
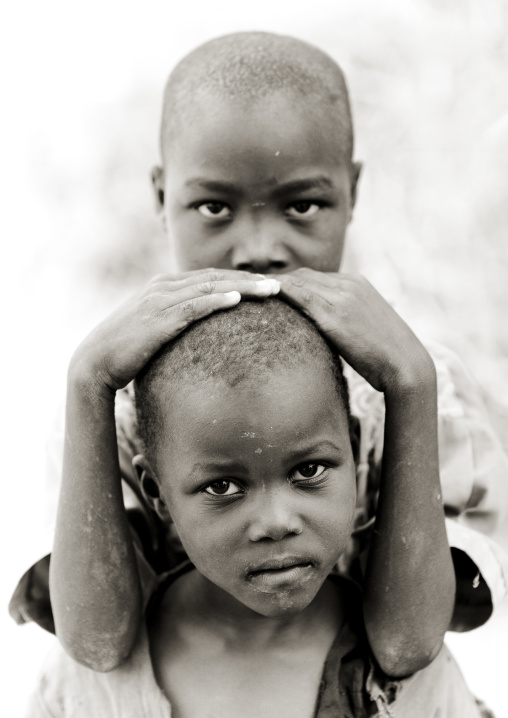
199	601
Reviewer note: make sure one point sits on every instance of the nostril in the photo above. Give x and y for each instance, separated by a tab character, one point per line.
278	266
262	267
244	267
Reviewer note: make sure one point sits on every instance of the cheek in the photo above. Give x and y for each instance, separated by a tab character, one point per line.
208	541
194	248
334	519
323	251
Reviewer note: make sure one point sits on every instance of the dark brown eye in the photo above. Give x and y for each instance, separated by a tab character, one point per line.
216	210
303	208
222	488
308	471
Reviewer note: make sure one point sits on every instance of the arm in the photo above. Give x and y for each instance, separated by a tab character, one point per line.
95	590
409	581
473	470
409	585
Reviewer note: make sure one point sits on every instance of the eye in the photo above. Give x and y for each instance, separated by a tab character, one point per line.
303	208
222	488
214	210
307	471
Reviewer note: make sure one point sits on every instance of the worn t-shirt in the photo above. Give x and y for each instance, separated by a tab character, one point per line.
351	685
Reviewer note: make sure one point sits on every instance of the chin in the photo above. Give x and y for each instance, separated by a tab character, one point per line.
281	603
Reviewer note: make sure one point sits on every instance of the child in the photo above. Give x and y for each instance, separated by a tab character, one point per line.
258	176
248	449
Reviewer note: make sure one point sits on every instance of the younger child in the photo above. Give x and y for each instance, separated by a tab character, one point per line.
258	175
248	449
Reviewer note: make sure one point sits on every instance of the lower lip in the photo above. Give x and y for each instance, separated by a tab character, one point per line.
282	577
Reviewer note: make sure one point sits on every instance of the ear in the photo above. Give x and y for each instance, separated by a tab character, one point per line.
157	177
356	169
150	487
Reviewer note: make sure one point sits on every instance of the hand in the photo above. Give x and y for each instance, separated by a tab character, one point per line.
118	348
365	329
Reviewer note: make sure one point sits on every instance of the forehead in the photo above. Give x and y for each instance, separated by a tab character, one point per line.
283	413
285	125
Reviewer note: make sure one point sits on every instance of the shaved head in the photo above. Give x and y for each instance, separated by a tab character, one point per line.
244	344
247	67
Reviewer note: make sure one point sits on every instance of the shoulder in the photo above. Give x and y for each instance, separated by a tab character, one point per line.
438	689
67	689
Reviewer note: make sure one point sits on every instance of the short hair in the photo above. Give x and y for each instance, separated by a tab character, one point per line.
248	66
240	344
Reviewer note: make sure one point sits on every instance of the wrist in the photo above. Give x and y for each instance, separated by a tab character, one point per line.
415	377
84	379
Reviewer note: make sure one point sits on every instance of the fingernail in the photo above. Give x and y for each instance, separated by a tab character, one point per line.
268	286
232	297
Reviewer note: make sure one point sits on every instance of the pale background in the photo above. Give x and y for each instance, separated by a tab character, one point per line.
80	93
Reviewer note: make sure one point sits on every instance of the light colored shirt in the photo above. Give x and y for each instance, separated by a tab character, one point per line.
350	684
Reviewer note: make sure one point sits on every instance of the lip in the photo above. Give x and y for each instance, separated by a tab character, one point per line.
277	576
281	573
280	563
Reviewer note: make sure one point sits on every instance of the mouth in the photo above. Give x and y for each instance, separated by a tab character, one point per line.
280	573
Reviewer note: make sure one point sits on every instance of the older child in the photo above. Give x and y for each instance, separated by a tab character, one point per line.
247	449
258	176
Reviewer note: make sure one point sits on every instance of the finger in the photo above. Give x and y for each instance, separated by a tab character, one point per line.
307	296
246	287
304	276
184	279
176	319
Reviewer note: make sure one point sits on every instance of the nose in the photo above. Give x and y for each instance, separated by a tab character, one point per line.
259	250
274	519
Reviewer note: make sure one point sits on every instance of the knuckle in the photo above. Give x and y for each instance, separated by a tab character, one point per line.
214	275
188	310
157	279
207	287
149	303
298	280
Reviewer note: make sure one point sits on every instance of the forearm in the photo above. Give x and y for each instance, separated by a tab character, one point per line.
410	583
94	584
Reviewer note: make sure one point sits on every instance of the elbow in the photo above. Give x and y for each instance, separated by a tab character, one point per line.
400	660
103	663
98	656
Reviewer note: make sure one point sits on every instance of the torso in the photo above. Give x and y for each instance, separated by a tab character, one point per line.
205	676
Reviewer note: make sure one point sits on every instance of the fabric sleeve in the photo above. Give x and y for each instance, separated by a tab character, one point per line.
473	464
37	708
439	689
474	480
30	600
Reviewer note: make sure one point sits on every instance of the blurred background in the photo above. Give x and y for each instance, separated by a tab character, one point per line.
81	86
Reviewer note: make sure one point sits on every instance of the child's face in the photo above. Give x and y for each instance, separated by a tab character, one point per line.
264	188
260	482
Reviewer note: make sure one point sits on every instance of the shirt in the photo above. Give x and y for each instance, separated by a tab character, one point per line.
351	686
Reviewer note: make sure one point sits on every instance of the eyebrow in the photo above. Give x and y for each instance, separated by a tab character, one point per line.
320	446
299	454
208	466
300	185
213	185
